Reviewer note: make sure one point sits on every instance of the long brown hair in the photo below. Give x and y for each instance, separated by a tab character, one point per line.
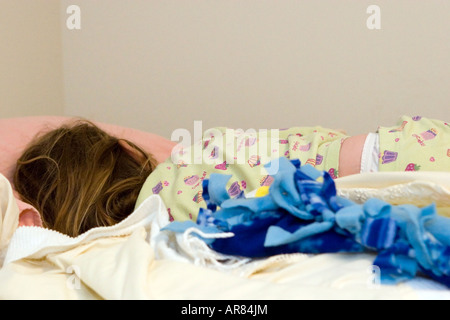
79	177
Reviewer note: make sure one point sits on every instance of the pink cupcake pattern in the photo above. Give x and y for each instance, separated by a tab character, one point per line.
157	189
191	180
198	197
214	153
389	156
319	159
305	148
234	189
266	181
254	161
429	134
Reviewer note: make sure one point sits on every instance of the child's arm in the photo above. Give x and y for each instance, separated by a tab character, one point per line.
350	155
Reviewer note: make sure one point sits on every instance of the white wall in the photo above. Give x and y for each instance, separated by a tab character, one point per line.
30	58
158	65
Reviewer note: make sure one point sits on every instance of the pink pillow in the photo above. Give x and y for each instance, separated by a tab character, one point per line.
16	133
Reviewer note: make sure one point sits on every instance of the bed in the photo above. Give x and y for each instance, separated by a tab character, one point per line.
136	259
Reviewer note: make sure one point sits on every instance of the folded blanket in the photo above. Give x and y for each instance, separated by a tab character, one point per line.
303	213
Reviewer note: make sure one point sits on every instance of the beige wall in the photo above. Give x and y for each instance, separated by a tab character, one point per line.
159	65
30	58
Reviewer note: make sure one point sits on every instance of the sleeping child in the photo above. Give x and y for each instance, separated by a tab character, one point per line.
78	177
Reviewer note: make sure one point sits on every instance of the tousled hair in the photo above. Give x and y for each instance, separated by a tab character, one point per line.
79	177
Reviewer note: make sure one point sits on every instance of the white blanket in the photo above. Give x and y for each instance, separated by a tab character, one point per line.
135	260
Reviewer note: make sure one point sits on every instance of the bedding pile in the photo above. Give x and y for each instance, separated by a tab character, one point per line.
136	260
301	212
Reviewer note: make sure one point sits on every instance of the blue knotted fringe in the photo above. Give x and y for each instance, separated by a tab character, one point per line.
302	213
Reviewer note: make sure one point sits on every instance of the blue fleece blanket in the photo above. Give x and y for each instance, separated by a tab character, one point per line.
302	213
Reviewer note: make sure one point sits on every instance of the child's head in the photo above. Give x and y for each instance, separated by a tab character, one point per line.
79	177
